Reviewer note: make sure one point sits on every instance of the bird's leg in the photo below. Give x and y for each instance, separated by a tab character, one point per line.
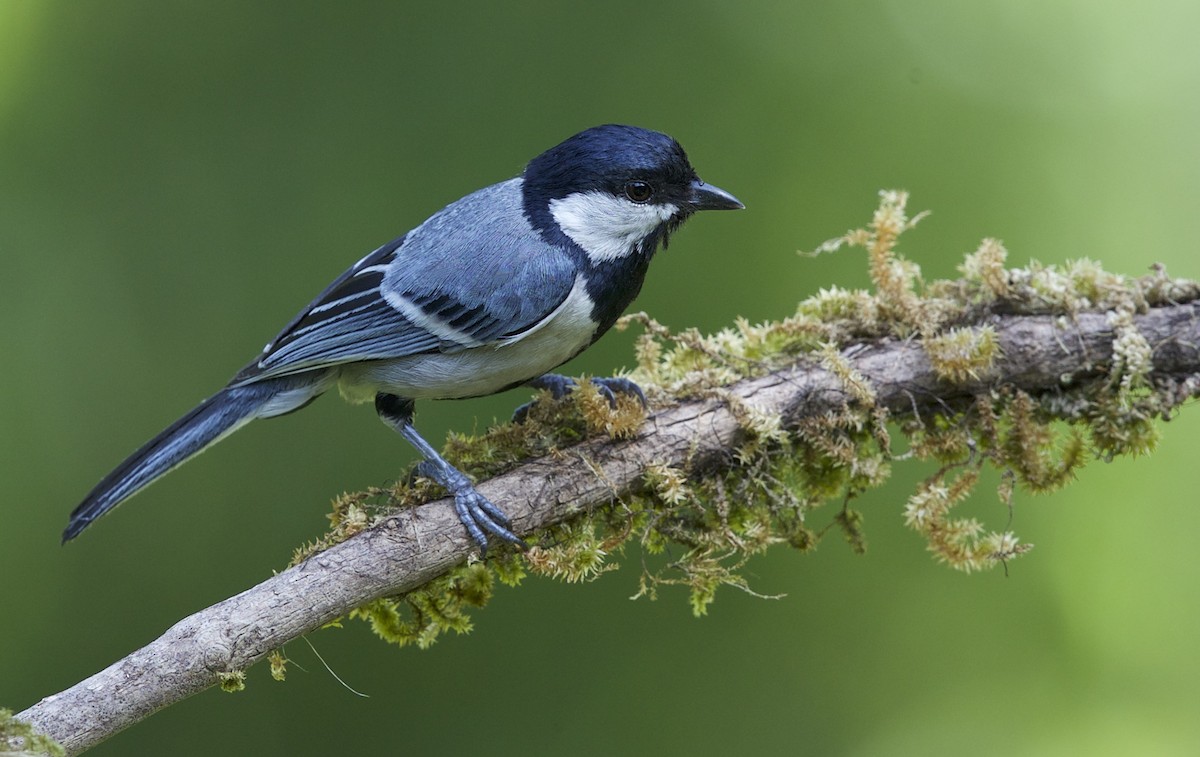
560	386
477	513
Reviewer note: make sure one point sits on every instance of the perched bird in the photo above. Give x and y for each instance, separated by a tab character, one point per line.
489	293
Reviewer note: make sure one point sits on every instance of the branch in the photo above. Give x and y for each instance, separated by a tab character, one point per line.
1038	354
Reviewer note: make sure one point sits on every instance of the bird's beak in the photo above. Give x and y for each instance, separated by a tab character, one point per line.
707	197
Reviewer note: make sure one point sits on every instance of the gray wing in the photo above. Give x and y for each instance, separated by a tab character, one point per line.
475	273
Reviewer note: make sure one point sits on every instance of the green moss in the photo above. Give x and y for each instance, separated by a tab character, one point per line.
232	680
420	617
278	663
963	354
18	735
793	485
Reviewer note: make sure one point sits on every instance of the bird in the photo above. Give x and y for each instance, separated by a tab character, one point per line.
492	292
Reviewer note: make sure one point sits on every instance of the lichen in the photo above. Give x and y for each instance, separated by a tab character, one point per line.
794	484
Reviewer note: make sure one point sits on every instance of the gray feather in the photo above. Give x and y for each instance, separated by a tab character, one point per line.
475	273
482	250
206	424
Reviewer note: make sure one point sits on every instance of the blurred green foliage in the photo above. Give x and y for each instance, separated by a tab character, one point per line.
176	179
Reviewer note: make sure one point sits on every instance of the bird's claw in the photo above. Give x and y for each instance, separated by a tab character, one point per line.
560	386
610	387
479	515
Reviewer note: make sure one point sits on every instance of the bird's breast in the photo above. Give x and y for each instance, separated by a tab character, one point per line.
485	369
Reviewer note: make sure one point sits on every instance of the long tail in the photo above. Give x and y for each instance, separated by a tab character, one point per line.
208	423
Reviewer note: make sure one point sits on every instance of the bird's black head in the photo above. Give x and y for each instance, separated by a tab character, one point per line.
606	158
616	190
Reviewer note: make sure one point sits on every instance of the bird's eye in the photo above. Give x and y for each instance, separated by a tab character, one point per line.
638	191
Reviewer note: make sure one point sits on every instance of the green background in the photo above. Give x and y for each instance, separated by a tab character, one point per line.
177	179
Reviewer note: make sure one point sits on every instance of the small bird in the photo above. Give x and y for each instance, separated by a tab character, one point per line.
491	292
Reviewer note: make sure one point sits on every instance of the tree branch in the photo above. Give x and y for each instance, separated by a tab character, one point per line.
1039	354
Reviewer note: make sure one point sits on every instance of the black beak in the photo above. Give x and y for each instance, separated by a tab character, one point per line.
707	197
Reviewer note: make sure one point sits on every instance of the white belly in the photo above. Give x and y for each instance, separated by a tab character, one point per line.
479	370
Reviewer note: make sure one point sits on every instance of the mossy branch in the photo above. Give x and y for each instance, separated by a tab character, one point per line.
1031	370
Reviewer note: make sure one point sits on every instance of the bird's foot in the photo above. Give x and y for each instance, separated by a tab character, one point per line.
560	386
610	387
478	514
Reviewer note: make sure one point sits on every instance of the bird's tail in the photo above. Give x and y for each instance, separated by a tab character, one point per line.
208	423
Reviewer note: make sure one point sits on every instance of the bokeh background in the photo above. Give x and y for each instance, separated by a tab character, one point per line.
177	179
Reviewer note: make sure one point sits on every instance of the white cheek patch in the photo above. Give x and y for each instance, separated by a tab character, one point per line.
605	226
